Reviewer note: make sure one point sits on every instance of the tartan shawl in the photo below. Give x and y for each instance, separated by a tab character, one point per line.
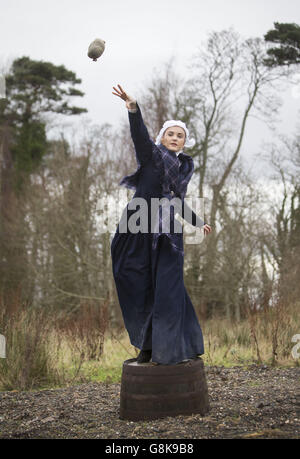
174	173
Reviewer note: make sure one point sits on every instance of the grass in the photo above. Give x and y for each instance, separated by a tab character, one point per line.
46	357
109	368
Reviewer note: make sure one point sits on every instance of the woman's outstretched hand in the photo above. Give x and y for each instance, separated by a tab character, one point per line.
207	229
130	102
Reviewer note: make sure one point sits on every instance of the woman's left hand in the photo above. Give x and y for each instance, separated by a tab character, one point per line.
207	229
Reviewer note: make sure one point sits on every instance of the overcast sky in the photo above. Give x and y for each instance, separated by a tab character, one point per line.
139	35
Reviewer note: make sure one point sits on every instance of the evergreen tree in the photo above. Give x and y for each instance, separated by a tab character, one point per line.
287	36
34	88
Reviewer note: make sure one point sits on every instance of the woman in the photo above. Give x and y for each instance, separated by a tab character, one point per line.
148	266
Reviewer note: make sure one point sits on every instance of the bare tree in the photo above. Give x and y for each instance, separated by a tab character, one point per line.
283	241
229	84
69	252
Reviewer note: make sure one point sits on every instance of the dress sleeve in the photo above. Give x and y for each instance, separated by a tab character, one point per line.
189	215
140	136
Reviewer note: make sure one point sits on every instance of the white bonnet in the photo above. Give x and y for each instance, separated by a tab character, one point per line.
188	142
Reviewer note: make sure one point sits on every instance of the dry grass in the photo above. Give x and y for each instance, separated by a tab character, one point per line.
50	353
265	337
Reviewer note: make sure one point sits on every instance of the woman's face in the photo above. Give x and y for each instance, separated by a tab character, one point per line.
174	138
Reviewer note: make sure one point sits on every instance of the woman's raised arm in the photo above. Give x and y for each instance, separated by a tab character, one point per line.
139	133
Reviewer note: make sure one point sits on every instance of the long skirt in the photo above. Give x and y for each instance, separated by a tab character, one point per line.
157	311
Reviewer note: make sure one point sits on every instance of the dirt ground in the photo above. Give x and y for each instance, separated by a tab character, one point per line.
253	402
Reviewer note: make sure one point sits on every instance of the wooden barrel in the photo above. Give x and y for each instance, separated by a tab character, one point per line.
155	391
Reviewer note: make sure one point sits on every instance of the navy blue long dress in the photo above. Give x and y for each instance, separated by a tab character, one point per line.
156	308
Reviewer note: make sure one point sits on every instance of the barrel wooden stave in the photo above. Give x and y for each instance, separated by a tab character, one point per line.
152	392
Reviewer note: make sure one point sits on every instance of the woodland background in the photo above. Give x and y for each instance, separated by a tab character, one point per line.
59	309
